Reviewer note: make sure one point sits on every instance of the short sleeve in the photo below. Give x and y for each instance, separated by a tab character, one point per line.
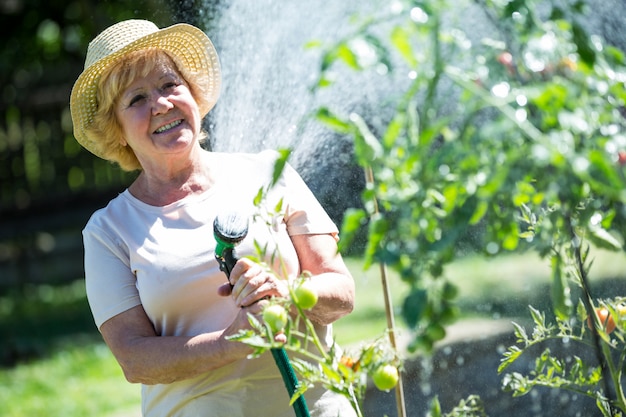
303	212
111	285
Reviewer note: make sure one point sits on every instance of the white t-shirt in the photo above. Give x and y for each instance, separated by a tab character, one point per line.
164	259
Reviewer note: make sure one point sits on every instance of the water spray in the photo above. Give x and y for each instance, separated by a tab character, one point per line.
229	230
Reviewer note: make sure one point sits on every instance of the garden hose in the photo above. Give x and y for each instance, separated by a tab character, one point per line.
229	230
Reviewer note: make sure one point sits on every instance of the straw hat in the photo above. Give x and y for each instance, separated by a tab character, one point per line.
188	45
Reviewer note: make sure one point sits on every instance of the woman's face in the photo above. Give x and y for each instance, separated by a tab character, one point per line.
158	115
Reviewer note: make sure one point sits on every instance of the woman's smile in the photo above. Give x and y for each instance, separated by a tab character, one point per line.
168	126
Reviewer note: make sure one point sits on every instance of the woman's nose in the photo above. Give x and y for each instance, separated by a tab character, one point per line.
160	103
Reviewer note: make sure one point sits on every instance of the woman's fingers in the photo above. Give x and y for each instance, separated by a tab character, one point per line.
252	282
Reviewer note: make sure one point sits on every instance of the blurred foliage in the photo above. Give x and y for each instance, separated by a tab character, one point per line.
511	132
513	129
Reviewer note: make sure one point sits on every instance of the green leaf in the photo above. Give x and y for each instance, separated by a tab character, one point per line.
346	54
520	333
400	38
313	43
300	390
353	221
378	227
328	59
331	120
394	129
321	83
561	300
511	239
510	356
435	407
414	306
603	239
259	197
581	39
603	405
538	317
366	146
603	172
279	164
331	373
479	212
279	206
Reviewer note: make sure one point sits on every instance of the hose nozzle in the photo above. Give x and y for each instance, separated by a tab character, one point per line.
229	230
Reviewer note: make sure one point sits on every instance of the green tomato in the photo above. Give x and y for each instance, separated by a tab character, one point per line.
276	317
385	377
305	296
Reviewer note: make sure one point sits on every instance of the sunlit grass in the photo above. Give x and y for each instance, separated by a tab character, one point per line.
81	379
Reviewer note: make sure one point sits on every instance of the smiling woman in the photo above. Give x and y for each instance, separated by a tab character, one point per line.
97	89
157	113
118	93
153	284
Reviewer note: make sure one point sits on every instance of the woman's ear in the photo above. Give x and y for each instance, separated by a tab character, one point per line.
123	142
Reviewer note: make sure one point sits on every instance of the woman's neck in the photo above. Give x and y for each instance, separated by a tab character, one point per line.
163	185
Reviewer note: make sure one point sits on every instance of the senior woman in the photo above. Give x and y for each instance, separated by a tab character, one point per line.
155	289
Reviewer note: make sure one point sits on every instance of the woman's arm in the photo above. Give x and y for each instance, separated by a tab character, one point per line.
148	358
330	277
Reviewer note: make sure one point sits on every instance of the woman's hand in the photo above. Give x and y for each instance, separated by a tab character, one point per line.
148	358
252	283
241	320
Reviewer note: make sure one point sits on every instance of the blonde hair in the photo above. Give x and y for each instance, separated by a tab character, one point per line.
105	131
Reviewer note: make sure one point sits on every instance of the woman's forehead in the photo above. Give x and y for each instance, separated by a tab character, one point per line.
145	62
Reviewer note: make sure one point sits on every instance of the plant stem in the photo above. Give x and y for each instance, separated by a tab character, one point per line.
610	378
355	402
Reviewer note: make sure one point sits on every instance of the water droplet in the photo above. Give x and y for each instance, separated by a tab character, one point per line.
492	248
418	15
501	89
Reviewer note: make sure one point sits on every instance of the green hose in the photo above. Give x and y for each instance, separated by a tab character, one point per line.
290	379
227	238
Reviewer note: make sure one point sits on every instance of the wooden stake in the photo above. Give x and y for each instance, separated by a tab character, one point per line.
391	326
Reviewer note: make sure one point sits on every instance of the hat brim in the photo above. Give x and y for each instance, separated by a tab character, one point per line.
189	46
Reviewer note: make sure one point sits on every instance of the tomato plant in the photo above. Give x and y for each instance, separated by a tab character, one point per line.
305	296
385	377
605	318
515	139
275	316
608	317
314	362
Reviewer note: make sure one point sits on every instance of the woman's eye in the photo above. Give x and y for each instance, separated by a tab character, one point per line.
170	85
136	99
